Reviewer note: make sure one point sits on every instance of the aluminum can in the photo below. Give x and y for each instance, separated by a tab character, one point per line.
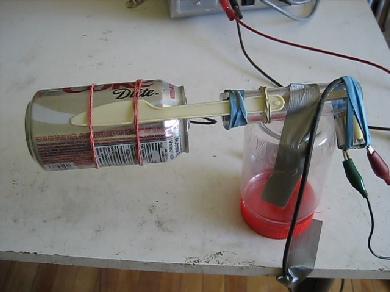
56	144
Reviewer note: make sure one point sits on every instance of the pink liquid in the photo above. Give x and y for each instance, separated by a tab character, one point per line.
271	220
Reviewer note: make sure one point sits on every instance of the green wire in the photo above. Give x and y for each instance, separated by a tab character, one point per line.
356	181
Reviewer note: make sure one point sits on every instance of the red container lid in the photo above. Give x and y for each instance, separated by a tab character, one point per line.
271	220
273	229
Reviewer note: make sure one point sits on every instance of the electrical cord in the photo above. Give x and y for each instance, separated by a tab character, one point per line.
356	181
305	173
265	74
379	128
207	121
290	15
351	172
372	232
342	285
313	49
273	80
314	126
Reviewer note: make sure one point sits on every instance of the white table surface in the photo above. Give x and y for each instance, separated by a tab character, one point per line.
182	216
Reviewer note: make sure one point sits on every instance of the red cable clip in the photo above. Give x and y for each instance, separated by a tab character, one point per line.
378	165
231	14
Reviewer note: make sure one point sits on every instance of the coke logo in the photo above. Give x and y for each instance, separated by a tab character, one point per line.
112	86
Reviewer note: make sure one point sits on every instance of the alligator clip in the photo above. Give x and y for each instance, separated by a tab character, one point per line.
378	165
231	9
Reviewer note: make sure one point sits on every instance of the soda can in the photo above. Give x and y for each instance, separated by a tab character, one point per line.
56	144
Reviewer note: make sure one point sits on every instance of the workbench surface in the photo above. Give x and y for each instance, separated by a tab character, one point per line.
182	216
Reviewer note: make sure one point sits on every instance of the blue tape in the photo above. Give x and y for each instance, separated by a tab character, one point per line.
355	108
238	113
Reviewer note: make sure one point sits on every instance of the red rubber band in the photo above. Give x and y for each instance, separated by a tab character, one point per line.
90	124
136	97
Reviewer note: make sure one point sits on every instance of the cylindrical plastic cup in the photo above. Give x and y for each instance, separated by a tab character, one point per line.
260	152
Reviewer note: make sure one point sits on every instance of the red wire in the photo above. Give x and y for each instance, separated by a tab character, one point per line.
272	38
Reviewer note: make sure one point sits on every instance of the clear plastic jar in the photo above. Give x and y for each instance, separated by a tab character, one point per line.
260	152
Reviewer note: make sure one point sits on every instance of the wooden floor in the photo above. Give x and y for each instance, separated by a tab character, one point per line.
18	277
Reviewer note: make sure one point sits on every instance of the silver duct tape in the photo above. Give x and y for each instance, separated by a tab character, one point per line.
302	256
293	142
302	95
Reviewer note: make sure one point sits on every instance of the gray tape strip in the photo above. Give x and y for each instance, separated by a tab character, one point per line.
293	142
302	255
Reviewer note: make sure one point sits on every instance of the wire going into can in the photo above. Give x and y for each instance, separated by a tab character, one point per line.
136	97
90	124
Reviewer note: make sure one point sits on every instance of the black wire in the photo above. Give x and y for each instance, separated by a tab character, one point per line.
252	62
305	173
379	128
342	285
307	162
308	153
208	121
372	232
